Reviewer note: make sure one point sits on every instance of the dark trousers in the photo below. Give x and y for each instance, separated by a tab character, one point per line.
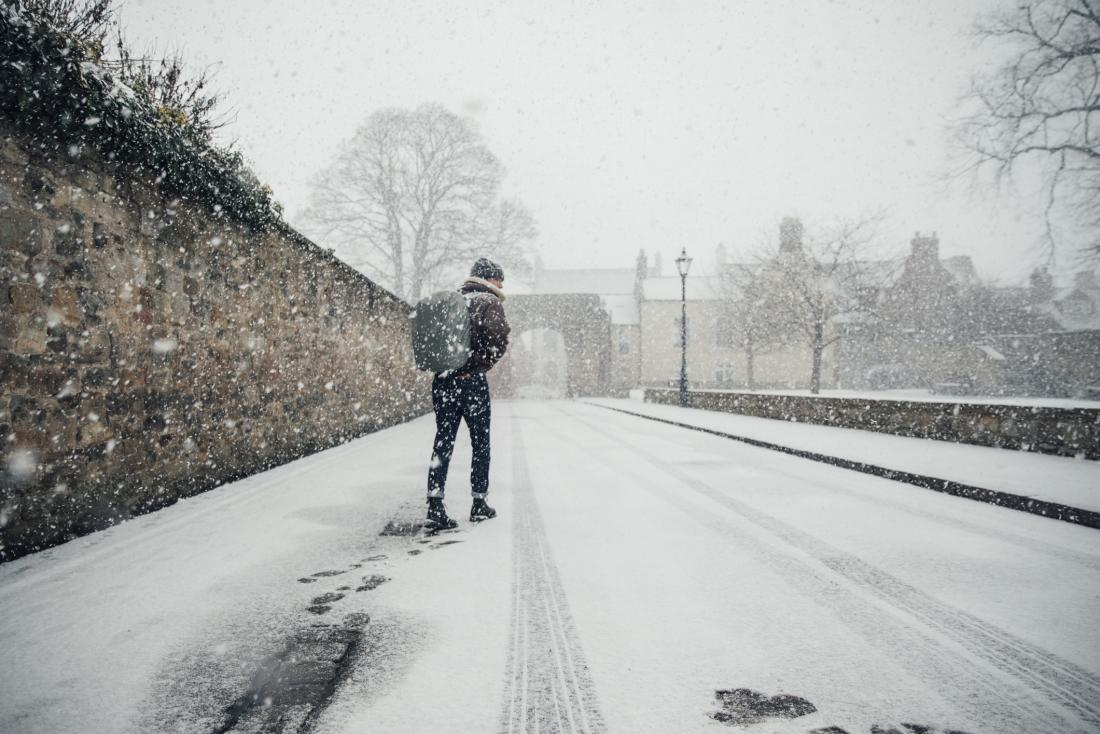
456	398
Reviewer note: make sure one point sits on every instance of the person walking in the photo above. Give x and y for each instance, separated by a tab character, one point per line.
463	394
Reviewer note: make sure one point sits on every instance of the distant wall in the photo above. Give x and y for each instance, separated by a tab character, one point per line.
1062	431
150	350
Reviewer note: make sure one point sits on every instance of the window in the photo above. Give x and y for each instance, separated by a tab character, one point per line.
724	333
725	374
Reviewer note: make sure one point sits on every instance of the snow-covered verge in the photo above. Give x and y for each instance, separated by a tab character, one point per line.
158	623
1073	482
927	396
1058	431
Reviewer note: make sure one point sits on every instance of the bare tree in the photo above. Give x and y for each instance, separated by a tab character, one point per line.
802	287
511	226
413	196
1043	103
746	309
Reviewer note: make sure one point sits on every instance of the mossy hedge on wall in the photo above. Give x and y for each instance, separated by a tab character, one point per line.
54	91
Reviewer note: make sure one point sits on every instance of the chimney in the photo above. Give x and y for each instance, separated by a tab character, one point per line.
537	272
925	249
1041	285
720	256
790	234
641	271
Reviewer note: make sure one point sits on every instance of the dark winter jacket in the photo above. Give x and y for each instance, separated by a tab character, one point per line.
488	327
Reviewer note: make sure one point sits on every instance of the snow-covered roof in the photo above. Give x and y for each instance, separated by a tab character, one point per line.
961	268
622	308
600	281
991	353
882	273
699	288
1076	308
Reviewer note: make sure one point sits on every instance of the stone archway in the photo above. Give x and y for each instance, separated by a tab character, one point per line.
586	328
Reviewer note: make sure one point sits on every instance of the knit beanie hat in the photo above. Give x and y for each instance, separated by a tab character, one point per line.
486	269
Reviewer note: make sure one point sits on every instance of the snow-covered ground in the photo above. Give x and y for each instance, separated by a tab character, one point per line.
927	396
635	569
1069	481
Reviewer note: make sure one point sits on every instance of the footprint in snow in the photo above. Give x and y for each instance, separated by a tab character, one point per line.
906	728
372	582
742	706
402	528
323	603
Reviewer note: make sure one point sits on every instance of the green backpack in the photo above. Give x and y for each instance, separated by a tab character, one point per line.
441	332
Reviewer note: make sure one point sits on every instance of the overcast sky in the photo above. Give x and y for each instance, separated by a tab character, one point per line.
627	125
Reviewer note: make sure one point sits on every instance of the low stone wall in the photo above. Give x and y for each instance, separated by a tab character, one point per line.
150	350
1062	431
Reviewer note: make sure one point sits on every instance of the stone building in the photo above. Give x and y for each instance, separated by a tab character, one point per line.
919	314
541	364
922	321
1051	346
711	353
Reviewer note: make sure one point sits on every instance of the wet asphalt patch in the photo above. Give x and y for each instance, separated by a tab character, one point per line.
291	688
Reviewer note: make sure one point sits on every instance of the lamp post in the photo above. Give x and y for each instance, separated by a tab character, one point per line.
683	264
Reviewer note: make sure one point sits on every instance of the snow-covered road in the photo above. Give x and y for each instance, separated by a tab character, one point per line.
636	568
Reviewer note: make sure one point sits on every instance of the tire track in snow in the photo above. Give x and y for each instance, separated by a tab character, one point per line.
1059	681
547	686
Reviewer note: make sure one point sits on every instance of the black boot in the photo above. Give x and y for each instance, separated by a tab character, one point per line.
437	516
481	511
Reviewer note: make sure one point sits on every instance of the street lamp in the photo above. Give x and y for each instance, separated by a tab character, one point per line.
683	264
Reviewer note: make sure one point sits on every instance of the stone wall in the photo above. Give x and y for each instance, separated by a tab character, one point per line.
150	350
1062	431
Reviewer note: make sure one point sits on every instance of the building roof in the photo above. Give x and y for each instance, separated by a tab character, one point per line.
1077	307
962	270
600	281
623	309
699	288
